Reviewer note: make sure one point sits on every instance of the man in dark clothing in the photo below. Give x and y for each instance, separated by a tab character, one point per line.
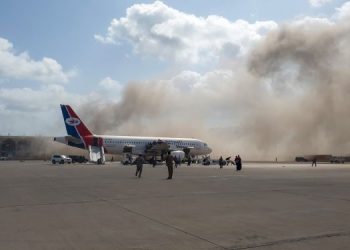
189	160
175	161
314	162
169	163
239	163
139	161
154	161
221	162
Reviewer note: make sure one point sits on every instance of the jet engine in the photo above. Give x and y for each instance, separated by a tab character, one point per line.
178	154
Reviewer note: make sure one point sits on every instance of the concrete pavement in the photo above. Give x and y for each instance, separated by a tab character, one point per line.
266	206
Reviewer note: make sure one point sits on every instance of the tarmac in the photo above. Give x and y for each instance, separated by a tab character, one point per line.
265	206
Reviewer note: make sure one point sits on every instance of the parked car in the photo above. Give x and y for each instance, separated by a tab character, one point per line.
61	159
300	159
78	158
4	158
338	159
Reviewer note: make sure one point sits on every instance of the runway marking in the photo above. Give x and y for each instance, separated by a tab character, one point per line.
200	193
171	226
293	240
51	203
304	194
128	210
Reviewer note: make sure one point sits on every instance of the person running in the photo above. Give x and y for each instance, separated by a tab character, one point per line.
139	161
169	163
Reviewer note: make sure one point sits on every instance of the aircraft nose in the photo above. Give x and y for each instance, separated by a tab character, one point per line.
209	150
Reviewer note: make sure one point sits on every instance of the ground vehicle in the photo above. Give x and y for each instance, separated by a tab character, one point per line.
127	159
78	158
300	159
61	159
207	161
4	158
337	159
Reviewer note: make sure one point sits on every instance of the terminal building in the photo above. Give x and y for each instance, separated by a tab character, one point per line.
33	148
323	158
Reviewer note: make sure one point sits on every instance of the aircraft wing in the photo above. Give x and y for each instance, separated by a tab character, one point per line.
157	147
160	147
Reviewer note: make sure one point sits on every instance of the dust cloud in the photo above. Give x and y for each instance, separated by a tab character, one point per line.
288	96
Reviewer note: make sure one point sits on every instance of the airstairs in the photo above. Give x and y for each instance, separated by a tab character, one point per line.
97	154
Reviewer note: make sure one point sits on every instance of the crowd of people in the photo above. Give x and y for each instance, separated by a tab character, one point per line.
170	161
227	161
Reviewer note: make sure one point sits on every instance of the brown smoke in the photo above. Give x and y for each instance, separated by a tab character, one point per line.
307	111
289	96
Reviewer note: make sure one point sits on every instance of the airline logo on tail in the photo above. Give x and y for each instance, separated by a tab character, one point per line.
72	121
75	127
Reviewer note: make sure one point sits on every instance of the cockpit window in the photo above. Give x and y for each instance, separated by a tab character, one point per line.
205	145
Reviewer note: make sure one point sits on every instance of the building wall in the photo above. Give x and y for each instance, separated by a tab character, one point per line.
30	147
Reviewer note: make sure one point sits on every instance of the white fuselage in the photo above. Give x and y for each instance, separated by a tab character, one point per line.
81	137
116	144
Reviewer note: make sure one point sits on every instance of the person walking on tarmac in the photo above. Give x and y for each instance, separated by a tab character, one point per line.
139	161
189	160
314	162
175	161
221	162
154	161
169	163
238	162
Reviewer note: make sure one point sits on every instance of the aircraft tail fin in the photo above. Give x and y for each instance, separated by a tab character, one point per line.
74	125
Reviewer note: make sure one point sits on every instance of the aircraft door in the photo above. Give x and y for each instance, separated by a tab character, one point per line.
97	142
128	150
187	151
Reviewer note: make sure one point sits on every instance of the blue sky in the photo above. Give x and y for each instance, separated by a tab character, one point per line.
64	32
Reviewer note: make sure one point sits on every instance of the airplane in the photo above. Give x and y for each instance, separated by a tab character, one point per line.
81	137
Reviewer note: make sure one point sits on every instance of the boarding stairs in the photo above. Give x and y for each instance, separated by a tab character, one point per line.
97	154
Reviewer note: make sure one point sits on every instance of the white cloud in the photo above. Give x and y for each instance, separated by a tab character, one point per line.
37	111
188	81
27	99
41	106
34	112
319	3
21	66
110	84
300	66
343	11
159	30
110	89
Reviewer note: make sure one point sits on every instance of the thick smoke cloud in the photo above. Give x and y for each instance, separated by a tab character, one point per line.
289	96
307	110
